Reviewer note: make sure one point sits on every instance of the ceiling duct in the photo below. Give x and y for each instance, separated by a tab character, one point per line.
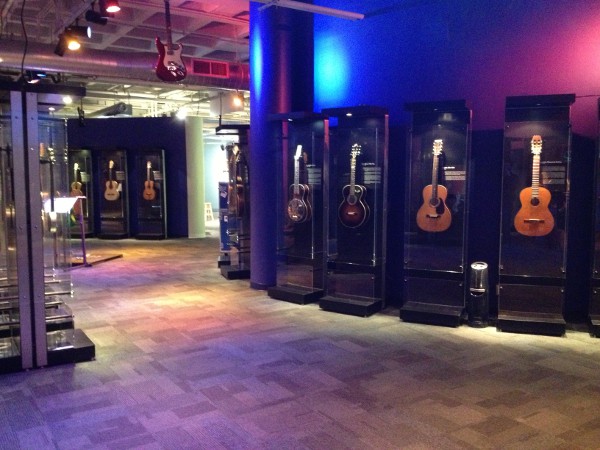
118	109
135	66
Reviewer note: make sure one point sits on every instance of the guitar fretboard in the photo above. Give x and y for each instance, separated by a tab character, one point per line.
297	176
434	177
535	177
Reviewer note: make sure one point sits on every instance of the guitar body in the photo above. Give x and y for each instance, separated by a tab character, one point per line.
433	215
111	193
236	199
534	218
353	211
149	192
299	209
170	66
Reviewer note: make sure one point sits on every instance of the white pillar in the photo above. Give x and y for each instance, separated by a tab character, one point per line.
194	152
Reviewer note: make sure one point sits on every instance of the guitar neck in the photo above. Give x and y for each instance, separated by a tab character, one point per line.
297	176
352	174
434	177
535	177
168	23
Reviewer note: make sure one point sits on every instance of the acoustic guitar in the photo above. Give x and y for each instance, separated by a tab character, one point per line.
353	211
299	209
111	193
169	66
433	215
149	191
76	190
534	218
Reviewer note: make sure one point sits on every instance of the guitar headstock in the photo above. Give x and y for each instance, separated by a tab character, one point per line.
148	165
438	145
298	152
355	150
111	164
536	144
75	167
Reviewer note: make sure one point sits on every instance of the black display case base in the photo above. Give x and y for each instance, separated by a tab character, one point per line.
531	323
235	272
295	294
594	323
150	237
223	260
354	307
83	349
431	314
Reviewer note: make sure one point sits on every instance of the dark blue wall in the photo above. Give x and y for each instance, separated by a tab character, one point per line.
482	51
136	135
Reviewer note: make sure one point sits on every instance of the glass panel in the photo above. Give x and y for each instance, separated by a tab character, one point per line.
57	221
80	182
535	189
9	299
150	195
113	186
436	213
300	215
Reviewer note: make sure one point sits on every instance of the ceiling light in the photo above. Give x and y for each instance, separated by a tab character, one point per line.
79	31
34	76
238	100
182	113
67	100
109	6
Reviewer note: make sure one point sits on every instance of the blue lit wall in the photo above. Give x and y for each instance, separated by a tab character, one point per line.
483	51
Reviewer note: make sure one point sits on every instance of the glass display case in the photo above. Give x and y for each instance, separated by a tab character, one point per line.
237	215
81	183
355	209
435	225
36	323
150	193
113	189
535	197
302	146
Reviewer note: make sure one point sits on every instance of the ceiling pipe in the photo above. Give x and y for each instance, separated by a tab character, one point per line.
134	66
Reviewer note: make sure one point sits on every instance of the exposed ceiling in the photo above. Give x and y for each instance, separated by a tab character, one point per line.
214	30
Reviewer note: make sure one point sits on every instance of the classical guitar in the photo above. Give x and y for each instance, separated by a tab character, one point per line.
434	215
111	193
534	218
169	66
299	209
353	211
76	189
149	191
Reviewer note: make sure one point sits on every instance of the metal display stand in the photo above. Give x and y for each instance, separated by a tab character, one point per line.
435	226
302	146
535	200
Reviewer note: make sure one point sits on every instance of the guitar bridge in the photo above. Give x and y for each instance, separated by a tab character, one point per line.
433	216
533	220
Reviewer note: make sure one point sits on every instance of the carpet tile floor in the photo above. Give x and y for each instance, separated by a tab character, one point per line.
186	359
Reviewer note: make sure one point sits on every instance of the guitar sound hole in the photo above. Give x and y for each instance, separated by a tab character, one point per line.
434	202
535	201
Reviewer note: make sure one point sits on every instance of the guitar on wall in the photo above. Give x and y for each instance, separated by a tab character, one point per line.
299	209
170	66
149	191
111	193
534	218
76	190
433	215
353	211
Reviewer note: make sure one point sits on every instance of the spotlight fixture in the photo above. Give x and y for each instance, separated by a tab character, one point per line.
61	46
34	76
69	39
95	17
109	6
79	31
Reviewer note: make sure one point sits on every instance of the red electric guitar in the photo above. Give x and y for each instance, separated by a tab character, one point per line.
169	66
299	209
534	218
353	210
434	215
